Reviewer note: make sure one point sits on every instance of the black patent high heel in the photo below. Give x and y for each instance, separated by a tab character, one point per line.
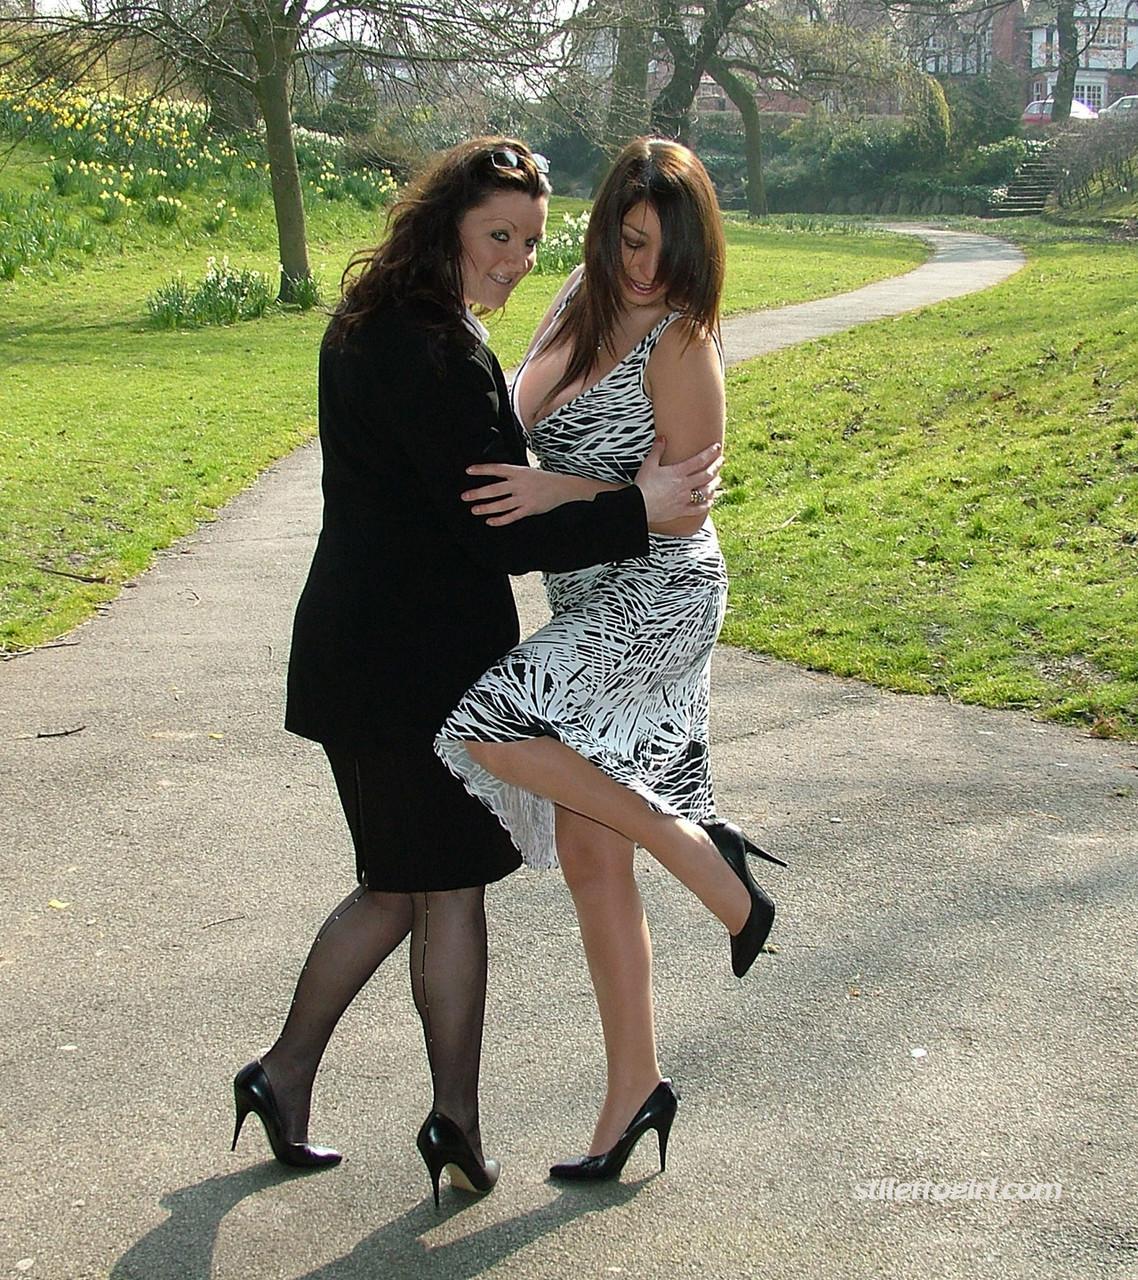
734	845
253	1092
442	1144
658	1112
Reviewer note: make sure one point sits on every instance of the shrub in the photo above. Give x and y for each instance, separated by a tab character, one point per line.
928	126
1095	162
994	162
306	293
985	108
381	150
163	210
223	296
219	216
33	230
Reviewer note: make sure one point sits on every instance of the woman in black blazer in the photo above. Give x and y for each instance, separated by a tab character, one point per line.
407	602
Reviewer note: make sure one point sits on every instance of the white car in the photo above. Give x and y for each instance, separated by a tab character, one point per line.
1039	111
1122	108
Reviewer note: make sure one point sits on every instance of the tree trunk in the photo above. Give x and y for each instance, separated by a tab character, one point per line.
628	106
737	89
1068	34
274	45
671	111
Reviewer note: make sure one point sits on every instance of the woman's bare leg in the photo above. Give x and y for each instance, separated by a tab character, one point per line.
549	768
598	867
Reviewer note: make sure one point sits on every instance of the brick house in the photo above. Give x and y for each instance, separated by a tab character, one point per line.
1108	33
1020	35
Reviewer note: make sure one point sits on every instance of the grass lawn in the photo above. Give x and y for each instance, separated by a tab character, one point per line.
963	520
115	438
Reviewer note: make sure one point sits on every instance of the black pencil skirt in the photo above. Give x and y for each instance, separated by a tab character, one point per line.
415	827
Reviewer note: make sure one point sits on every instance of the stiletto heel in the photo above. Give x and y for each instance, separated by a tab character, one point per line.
755	852
242	1112
658	1112
734	846
442	1144
253	1092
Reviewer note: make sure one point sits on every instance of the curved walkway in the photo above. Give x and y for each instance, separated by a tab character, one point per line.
951	1002
962	262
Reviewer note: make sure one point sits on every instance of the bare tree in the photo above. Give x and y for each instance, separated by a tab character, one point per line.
742	94
805	54
693	36
254	47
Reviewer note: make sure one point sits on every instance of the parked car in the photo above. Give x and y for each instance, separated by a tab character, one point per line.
1122	108
1039	111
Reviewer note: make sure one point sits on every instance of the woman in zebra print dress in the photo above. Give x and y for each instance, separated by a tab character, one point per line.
592	735
405	579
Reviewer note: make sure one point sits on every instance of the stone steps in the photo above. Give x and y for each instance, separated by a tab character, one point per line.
1028	190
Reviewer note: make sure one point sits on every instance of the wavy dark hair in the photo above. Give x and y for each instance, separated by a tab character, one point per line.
420	258
672	179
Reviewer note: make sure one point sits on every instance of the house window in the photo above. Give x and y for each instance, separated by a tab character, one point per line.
936	49
1110	35
1090	95
977	51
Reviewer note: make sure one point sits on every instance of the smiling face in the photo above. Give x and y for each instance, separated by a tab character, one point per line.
641	246
499	239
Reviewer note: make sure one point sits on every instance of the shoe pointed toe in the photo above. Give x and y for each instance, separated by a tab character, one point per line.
299	1155
581	1169
658	1112
253	1092
734	845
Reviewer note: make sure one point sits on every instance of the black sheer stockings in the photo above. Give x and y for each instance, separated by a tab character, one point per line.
448	981
350	946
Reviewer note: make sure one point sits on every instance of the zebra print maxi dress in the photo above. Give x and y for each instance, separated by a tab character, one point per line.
621	673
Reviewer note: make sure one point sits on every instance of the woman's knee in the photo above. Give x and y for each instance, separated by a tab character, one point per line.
492	756
593	866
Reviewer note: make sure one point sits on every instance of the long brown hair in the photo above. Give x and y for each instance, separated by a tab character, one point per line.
420	258
670	178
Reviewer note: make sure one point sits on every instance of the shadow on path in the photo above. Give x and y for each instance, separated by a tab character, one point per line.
182	1247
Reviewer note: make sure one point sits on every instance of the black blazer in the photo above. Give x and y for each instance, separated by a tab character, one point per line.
408	600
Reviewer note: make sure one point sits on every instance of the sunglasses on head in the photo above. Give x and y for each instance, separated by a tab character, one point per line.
504	158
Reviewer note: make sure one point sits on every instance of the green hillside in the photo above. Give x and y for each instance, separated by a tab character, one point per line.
947	502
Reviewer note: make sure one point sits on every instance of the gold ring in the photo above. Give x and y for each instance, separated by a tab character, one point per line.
698	497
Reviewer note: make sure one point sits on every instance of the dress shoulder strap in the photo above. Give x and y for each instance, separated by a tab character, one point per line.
655	334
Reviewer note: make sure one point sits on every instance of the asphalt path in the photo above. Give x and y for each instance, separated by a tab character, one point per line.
945	1024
